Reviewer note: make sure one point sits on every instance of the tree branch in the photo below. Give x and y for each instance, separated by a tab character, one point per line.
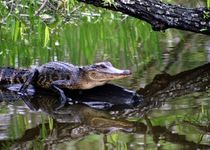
160	15
41	7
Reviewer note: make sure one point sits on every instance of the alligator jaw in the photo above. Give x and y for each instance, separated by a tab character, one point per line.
116	75
104	72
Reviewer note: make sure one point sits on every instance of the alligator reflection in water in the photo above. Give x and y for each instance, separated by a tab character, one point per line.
78	120
75	121
103	97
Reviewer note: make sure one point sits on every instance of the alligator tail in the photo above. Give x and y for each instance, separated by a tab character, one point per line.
12	76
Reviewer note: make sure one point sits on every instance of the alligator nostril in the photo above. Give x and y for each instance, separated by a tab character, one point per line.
128	72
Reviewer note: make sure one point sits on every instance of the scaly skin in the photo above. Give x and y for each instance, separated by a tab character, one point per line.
69	76
12	76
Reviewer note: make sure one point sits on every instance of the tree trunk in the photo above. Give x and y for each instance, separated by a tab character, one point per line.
160	15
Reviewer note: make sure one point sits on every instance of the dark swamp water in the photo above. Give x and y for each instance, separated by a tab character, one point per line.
165	104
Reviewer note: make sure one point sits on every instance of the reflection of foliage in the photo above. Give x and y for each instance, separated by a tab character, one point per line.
117	141
18	126
200	121
37	143
190	118
201	114
3	110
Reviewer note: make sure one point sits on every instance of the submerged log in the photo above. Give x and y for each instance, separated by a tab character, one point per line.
161	15
166	86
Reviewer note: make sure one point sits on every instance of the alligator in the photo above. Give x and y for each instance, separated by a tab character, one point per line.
60	75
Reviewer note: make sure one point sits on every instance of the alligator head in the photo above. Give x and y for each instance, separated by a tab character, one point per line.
100	73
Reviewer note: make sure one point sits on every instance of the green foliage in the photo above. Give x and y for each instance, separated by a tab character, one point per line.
208	4
109	40
90	36
206	14
109	2
47	36
15	30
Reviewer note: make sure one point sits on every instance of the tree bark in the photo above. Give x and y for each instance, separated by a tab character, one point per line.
160	15
166	86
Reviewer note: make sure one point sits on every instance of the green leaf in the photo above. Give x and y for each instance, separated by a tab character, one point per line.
47	36
16	29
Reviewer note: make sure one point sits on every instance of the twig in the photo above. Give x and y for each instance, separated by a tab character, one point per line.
41	7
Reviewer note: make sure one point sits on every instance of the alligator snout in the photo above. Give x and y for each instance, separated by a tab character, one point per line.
127	72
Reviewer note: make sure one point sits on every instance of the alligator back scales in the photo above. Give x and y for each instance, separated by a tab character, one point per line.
12	76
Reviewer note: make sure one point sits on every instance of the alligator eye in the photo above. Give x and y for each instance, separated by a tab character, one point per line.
93	74
103	66
108	63
94	66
